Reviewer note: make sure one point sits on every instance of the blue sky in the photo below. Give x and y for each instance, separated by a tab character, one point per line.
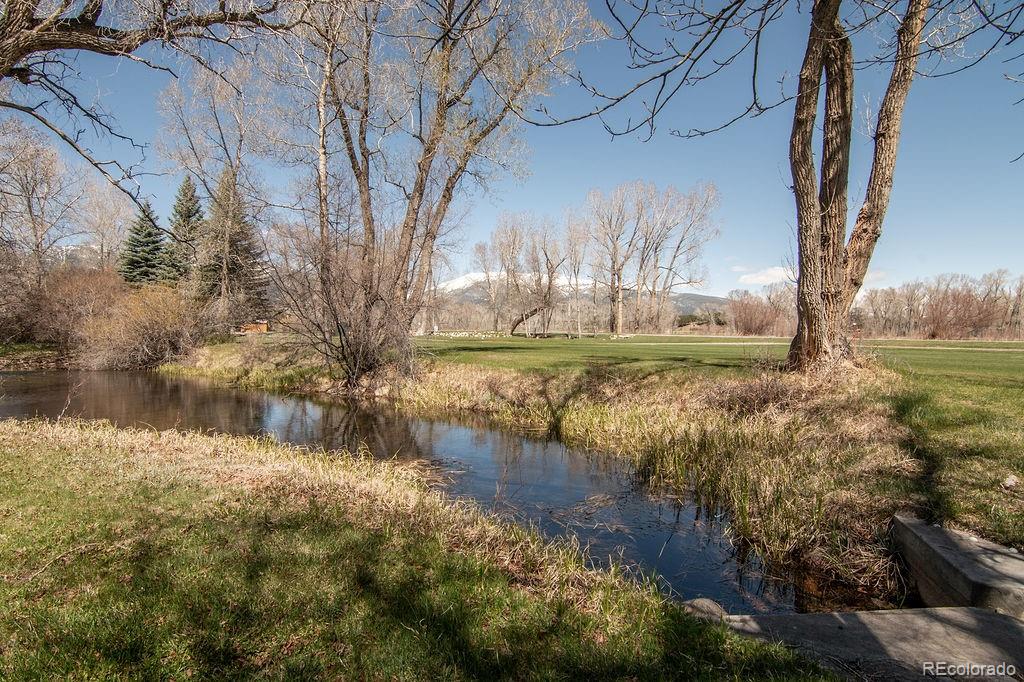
957	206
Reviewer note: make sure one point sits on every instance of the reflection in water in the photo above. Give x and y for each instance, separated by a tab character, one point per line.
529	480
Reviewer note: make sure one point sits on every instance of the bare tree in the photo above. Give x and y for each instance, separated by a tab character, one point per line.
617	235
577	242
508	241
704	42
1014	324
410	102
38	39
104	216
543	261
650	241
212	122
677	227
484	258
38	198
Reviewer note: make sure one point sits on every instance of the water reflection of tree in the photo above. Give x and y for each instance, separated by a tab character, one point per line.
533	480
144	399
347	426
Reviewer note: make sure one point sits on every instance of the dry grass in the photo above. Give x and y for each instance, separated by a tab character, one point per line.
375	494
135	553
791	457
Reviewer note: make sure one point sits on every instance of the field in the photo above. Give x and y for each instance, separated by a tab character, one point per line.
140	555
710	353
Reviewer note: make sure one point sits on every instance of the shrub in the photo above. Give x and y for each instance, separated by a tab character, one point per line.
146	327
15	303
71	298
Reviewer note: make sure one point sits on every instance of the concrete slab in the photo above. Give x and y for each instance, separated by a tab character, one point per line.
953	568
898	645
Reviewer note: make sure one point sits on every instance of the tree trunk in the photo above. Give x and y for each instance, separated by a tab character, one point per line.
523	318
835	173
813	338
868	227
831	274
618	305
579	312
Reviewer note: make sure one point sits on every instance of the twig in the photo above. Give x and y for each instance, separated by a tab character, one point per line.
74	550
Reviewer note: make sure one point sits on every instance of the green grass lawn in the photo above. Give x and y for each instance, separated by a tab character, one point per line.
139	555
706	354
965	410
713	353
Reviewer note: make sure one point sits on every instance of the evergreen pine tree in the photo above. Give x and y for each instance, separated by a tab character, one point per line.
186	223
143	257
231	271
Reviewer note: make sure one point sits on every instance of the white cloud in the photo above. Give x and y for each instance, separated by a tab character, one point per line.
739	268
875	276
767	276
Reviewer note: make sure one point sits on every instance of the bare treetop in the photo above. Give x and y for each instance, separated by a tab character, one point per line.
38	39
678	44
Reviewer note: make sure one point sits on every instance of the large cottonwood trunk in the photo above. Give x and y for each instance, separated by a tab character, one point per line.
831	272
868	227
815	338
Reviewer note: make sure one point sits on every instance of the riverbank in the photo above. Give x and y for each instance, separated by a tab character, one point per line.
169	554
21	357
811	469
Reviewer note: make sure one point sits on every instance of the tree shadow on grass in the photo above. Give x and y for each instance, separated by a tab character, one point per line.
597	383
924	419
304	594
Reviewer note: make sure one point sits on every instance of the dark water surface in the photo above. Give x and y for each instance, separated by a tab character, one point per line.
529	480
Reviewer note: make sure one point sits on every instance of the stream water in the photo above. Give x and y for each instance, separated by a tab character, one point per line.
525	479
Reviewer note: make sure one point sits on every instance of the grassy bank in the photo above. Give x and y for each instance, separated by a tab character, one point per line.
27	356
141	554
811	468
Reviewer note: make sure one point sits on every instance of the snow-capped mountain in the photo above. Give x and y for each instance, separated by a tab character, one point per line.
470	287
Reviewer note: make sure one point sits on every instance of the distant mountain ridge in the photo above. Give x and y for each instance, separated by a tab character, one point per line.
470	288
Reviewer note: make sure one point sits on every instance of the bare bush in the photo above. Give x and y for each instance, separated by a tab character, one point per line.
327	306
15	311
950	306
750	314
73	297
146	327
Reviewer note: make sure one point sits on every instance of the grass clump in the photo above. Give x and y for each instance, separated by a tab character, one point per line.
791	458
128	553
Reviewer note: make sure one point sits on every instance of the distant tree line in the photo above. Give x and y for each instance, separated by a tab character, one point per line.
612	265
948	306
772	312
